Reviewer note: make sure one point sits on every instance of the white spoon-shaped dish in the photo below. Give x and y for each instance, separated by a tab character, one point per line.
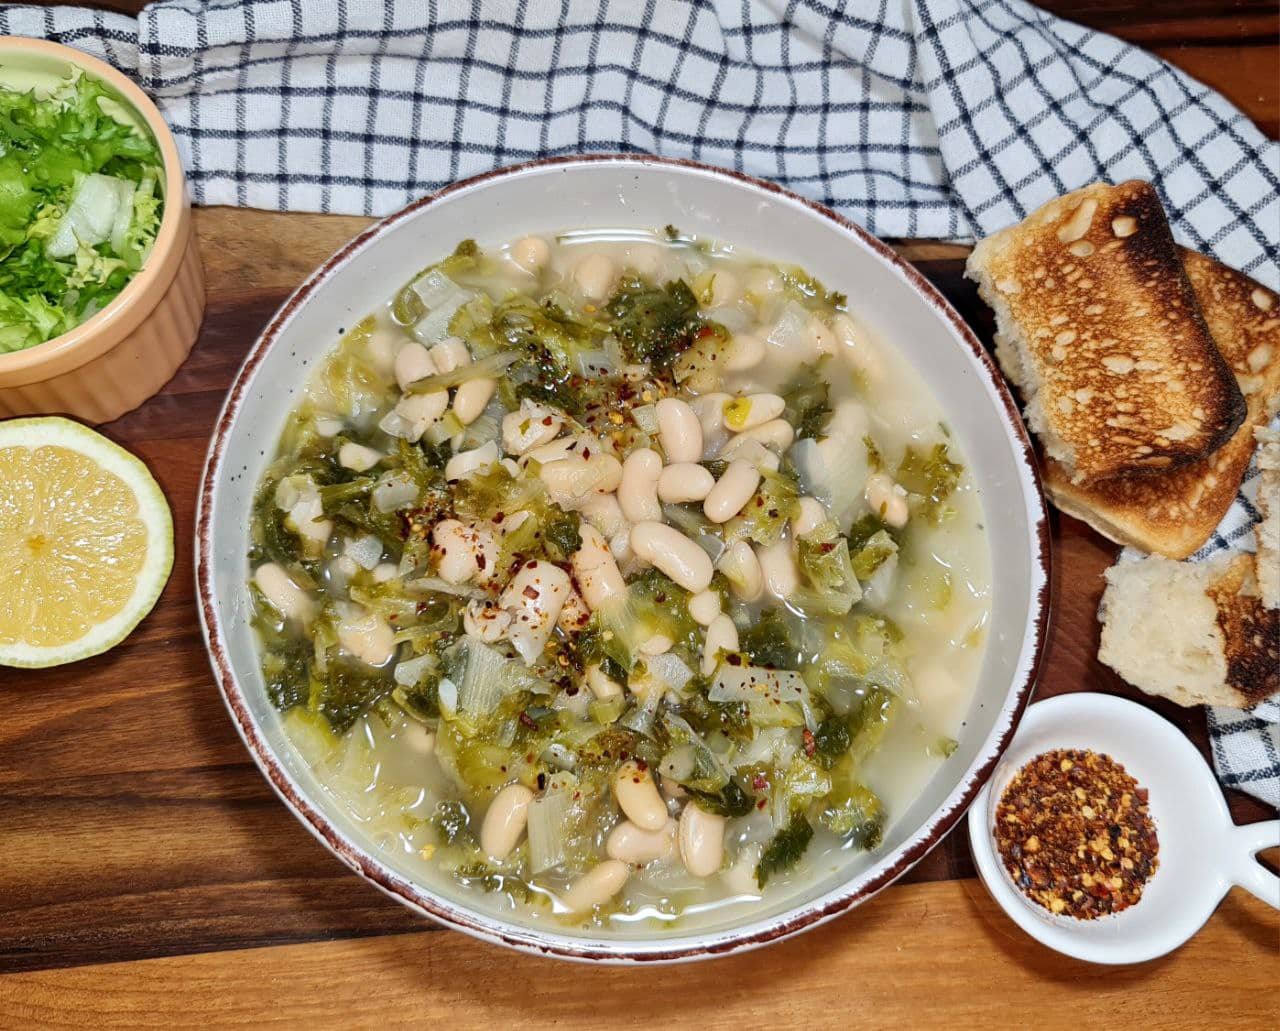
1202	852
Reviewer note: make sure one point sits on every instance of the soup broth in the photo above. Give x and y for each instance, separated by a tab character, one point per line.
620	579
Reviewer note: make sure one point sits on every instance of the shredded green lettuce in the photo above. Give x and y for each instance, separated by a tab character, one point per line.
79	207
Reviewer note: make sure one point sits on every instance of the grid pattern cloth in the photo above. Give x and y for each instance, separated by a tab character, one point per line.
915	118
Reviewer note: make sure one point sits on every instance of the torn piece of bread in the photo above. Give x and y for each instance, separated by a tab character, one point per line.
1173	512
1097	325
1267	529
1194	632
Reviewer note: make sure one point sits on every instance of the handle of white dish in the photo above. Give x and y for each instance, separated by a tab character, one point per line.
1246	871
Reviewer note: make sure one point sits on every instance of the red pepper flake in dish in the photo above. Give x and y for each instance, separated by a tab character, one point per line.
1075	834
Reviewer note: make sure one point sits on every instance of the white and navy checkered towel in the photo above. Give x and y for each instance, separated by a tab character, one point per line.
915	118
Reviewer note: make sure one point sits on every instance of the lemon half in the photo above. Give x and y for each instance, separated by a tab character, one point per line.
86	542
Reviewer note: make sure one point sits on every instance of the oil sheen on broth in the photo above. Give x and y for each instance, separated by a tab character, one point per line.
619	581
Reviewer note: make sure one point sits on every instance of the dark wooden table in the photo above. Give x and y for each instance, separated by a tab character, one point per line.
149	876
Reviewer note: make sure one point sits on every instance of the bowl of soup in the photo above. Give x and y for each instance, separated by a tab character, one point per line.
622	559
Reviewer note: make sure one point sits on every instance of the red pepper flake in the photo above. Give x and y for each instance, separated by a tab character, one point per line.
498	517
641	765
762	803
481	560
810	745
734	659
528	721
1075	834
759	782
704	332
531	593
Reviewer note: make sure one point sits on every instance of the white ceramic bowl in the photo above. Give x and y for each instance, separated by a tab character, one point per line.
888	296
1202	853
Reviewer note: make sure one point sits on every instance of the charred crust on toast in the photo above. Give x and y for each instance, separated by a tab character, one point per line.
1174	512
1250	633
1100	328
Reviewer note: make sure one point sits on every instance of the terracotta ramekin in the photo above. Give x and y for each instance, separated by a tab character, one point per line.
117	359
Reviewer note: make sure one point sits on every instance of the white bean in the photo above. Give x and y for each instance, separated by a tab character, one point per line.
571	480
450	354
421	410
742	569
574	614
721	635
413	363
600	683
594	568
595	275
604	513
464	463
638	491
534	598
384	571
470	398
531	253
528	427
505	821
679	430
358	457
731	492
777	434
658	644
887	499
857	350
724	288
684	481
486	623
746	352
704	607
631	844
638	797
781	576
457	558
701	840
367	636
673	553
810	514
279	588
742	413
596	887
748	449
620	546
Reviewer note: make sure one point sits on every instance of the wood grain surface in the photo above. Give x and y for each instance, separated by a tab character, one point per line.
922	956
151	878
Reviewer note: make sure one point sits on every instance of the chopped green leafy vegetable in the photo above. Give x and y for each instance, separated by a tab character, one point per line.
808	402
771	642
346	690
878	549
452	822
824	559
654	324
764	517
931	476
79	207
785	850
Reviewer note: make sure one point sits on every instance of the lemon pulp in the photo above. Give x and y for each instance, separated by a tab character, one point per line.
85	542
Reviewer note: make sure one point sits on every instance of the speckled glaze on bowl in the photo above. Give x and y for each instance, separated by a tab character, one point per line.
887	295
117	359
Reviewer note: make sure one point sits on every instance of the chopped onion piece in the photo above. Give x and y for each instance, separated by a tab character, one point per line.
394	490
547	818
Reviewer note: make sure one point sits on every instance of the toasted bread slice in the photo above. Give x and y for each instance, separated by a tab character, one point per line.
1193	632
1267	529
1098	326
1173	513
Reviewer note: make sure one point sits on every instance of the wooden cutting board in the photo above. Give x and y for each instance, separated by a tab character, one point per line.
133	825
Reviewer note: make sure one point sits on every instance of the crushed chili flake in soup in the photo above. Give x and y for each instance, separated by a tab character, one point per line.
1075	834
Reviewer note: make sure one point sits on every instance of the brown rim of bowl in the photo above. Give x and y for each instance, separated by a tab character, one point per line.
528	939
130	307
